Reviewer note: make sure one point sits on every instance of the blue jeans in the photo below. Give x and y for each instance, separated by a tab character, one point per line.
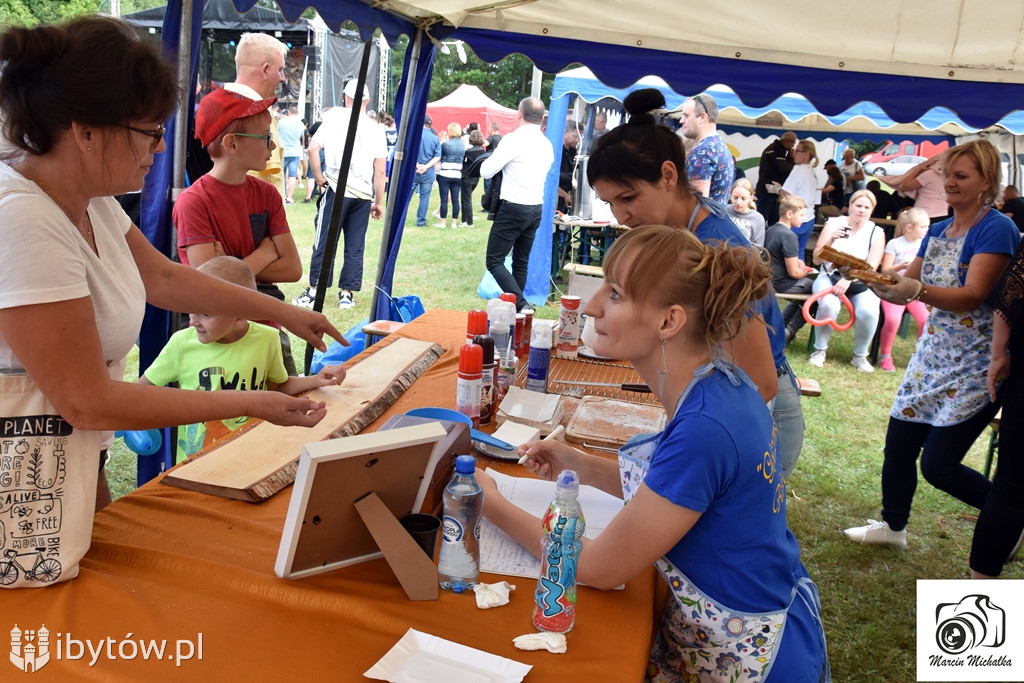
422	183
789	418
355	215
513	230
450	187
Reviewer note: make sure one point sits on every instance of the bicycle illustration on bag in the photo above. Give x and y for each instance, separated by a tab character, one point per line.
43	569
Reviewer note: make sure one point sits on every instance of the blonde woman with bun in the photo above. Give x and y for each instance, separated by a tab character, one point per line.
449	174
804	183
710	479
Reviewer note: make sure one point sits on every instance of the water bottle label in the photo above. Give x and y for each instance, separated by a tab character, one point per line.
556	586
452	529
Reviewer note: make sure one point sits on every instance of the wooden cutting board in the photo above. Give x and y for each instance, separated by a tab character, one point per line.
259	461
609	423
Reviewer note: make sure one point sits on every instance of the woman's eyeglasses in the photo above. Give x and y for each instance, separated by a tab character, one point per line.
157	134
269	137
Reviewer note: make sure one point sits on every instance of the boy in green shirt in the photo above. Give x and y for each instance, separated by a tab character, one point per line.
219	352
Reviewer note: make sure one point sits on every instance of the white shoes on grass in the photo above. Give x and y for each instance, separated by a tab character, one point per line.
878	533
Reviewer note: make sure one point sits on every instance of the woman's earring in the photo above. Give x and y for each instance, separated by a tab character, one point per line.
662	372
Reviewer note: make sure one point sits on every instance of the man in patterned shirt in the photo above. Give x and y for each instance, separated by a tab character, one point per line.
709	165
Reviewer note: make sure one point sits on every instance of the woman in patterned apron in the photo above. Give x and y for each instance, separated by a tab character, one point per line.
706	500
943	403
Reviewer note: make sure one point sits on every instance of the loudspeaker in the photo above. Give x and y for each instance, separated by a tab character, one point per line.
312	53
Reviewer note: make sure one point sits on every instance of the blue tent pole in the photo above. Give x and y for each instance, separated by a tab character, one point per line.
411	106
180	35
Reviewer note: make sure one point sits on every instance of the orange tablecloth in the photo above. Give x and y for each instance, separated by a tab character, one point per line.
170	564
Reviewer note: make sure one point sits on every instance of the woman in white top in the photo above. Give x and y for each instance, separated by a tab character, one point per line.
804	184
856	235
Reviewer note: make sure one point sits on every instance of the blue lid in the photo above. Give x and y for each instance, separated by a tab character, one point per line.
465	464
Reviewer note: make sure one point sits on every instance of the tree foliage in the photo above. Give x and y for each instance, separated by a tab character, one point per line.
35	12
506	82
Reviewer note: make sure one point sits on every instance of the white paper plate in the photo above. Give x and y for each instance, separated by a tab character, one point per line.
587	352
422	658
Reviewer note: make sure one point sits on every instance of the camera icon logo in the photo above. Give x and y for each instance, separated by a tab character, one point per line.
972	622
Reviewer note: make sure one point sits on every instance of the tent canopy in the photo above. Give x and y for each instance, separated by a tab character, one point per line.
221	15
468	103
904	55
791	111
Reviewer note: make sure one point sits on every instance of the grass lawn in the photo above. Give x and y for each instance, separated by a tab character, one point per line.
868	593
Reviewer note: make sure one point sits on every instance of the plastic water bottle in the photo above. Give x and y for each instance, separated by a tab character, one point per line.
458	565
555	599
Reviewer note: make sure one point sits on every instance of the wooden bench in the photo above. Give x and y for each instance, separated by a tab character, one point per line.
582	269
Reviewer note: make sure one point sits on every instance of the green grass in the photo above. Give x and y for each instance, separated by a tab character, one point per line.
867	592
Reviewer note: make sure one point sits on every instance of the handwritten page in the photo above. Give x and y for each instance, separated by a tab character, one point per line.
500	554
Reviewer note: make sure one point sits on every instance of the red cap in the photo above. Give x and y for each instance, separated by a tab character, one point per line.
508	296
471	359
221	107
477	323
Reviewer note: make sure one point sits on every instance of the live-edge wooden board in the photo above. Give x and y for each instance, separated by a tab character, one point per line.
260	461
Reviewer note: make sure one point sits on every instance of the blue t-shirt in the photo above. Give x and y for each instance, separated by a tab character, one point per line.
291	130
430	147
718	226
710	160
995	233
717	456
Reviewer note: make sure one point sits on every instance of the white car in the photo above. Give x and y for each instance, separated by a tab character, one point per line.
895	166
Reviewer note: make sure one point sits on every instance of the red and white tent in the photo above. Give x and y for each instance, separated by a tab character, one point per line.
467	104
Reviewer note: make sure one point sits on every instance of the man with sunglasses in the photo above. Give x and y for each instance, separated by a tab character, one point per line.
259	72
709	165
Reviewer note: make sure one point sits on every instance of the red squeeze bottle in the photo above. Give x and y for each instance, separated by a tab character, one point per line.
469	385
508	296
477	325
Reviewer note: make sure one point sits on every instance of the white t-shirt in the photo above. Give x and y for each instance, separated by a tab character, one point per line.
804	184
902	249
46	259
370	144
524	157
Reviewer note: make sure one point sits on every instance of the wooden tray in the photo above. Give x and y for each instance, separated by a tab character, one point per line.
608	423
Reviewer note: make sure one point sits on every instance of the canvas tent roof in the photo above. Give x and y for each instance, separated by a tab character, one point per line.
468	103
791	111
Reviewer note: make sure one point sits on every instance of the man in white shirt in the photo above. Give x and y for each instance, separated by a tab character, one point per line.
363	194
259	71
523	158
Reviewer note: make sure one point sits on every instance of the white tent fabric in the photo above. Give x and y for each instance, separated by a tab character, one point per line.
944	39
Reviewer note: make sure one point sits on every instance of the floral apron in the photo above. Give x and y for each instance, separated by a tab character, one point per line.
946	379
700	638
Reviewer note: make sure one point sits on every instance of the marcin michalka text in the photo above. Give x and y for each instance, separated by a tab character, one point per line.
971	660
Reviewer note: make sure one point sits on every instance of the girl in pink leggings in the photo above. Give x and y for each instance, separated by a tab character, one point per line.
911	227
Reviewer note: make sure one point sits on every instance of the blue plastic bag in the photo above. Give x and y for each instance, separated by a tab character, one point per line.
489	288
336	354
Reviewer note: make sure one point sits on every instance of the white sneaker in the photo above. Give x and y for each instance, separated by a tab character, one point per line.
862	363
817	358
877	533
304	300
345	299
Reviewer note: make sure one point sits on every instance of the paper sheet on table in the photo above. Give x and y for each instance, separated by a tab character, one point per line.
500	554
529	406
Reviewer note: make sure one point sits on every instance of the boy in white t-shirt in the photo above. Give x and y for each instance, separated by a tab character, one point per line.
911	227
218	352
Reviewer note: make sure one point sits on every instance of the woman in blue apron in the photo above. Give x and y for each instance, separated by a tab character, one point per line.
706	499
639	168
943	405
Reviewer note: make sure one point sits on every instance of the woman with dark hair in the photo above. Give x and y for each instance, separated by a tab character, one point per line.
639	169
706	503
469	182
83	106
943	403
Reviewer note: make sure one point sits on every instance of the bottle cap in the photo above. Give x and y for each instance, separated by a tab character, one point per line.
487	346
568	482
477	323
508	296
540	336
471	359
465	464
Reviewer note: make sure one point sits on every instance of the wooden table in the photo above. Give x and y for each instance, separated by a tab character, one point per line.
170	564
